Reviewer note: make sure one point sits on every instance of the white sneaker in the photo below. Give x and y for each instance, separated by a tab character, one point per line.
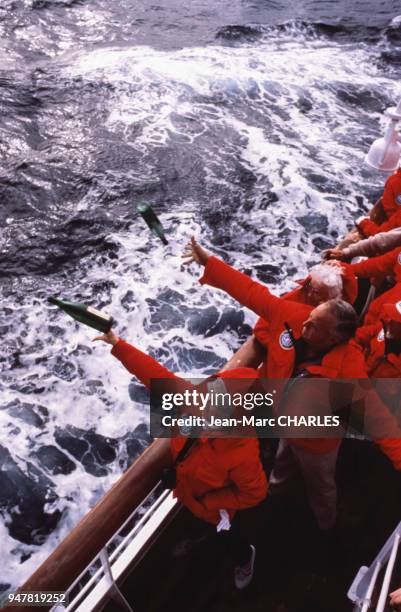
243	574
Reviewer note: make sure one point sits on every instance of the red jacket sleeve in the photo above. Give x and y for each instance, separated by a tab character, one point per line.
365	334
247	292
354	364
383	428
376	267
379	423
369	228
140	364
392	449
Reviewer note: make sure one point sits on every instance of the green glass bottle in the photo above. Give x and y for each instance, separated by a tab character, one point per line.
85	314
152	221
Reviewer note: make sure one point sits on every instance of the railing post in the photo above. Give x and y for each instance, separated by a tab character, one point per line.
387	576
115	591
95	529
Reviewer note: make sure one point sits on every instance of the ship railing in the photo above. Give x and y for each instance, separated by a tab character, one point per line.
98	581
87	541
366	581
93	541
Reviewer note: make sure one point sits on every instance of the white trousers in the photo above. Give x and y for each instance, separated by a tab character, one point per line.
318	472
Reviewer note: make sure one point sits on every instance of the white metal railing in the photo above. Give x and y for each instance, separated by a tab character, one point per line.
99	578
362	588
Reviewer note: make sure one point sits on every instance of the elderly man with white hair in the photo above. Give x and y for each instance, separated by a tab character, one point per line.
326	281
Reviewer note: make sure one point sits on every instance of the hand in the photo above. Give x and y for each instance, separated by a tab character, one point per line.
335	253
358	230
395	597
360	219
109	338
194	252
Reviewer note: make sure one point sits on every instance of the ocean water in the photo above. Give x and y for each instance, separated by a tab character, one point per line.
244	123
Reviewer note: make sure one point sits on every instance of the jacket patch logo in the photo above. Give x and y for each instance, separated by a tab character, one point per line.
399	258
285	340
398	199
398	306
380	335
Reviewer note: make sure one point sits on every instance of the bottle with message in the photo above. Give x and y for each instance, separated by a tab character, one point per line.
85	314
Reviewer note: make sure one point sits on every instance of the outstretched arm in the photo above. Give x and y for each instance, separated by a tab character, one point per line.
370	247
376	267
369	228
242	288
143	366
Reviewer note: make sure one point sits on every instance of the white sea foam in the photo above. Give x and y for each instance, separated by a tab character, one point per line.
396	22
270	107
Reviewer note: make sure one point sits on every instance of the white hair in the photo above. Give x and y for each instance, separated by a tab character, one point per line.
329	276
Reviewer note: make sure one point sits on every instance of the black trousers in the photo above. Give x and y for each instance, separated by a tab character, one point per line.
234	543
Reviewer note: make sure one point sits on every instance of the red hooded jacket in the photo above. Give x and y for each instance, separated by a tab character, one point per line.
225	473
391	201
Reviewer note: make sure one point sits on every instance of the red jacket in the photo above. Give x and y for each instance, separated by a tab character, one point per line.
393	295
275	310
261	328
350	290
226	473
377	268
371	337
391	201
343	361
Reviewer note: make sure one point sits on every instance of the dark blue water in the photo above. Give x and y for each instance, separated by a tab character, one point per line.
244	122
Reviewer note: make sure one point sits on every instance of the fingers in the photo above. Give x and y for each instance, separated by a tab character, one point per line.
109	338
194	252
395	597
189	248
187	252
333	254
190	254
191	245
188	261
